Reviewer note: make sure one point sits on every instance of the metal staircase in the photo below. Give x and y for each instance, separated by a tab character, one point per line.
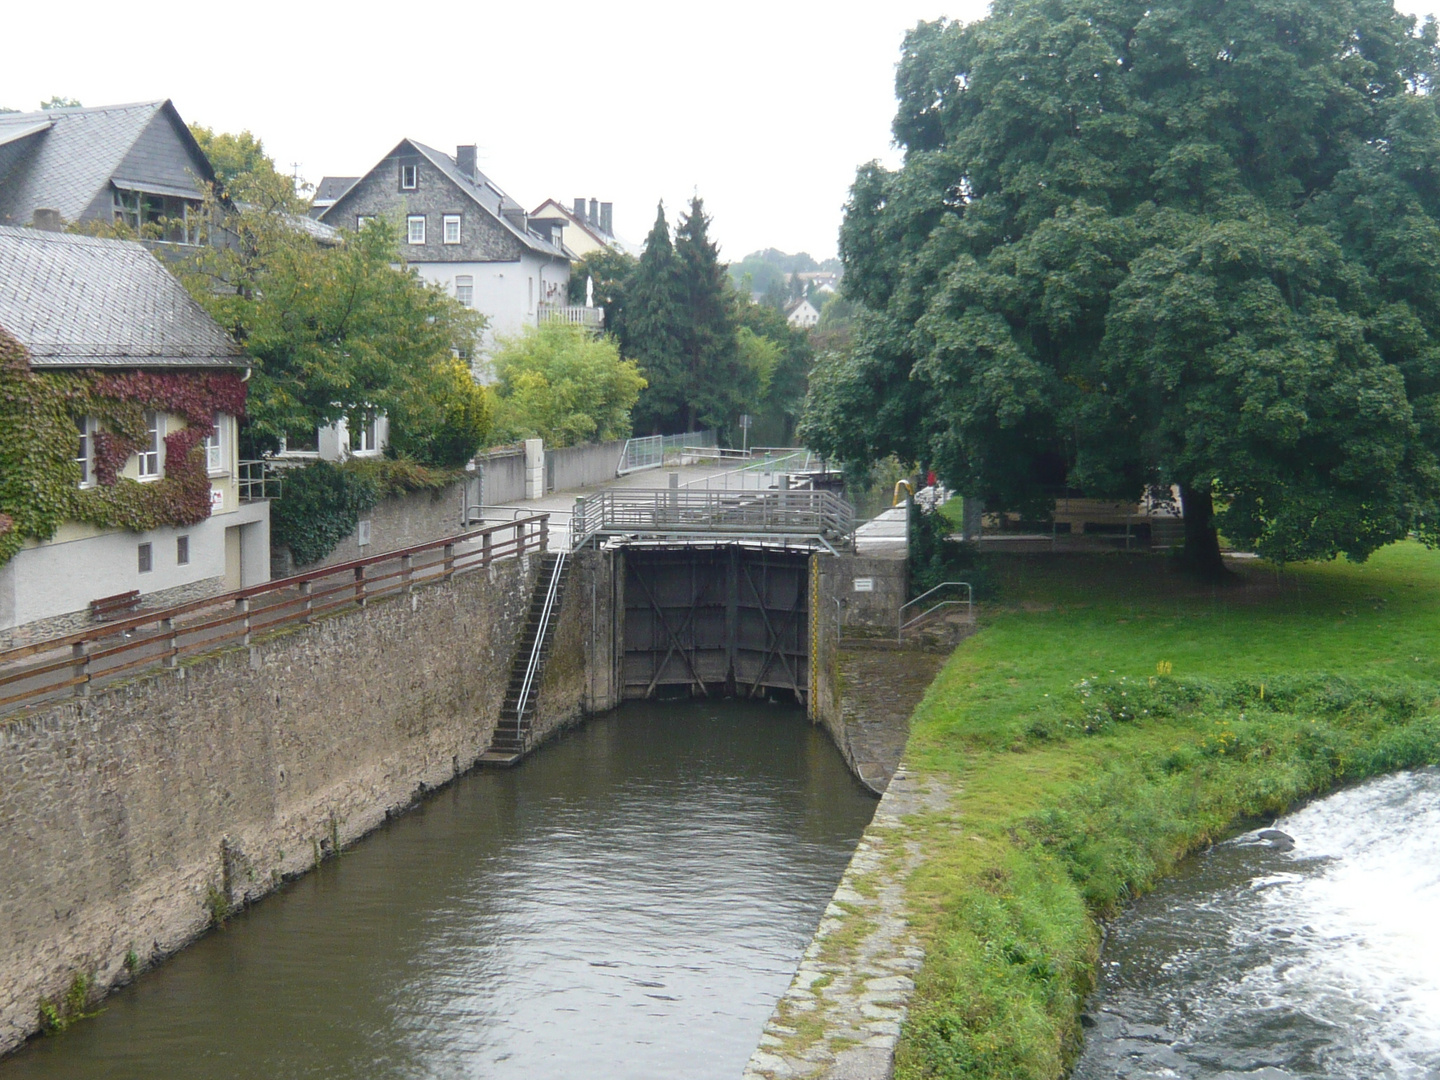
513	737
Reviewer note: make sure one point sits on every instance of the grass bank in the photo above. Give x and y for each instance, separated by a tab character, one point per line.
1110	718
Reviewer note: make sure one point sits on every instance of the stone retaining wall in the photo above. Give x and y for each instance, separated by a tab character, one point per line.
127	819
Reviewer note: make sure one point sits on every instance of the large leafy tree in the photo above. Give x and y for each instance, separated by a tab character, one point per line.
337	329
609	270
560	383
1188	243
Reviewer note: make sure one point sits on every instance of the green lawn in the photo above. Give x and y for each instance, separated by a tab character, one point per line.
1111	717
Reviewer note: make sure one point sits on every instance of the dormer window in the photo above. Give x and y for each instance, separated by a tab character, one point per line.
409	177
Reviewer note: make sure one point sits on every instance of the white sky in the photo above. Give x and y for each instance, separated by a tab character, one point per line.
765	108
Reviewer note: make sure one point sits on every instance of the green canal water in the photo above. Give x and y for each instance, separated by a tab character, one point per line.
628	903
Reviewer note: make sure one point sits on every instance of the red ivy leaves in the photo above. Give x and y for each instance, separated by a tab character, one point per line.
196	397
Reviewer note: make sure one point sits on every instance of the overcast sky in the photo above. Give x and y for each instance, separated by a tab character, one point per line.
765	108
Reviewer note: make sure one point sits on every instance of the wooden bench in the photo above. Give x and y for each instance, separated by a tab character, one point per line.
109	607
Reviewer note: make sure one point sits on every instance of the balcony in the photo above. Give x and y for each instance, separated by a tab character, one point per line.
592	318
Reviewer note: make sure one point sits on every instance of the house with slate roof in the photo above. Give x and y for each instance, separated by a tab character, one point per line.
119	404
460	230
133	163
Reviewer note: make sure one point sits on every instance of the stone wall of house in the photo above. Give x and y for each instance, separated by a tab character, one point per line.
128	818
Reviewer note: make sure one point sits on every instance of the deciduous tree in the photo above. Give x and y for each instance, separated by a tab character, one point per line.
1130	244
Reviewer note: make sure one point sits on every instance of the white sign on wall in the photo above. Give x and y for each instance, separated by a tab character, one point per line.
217	500
864	584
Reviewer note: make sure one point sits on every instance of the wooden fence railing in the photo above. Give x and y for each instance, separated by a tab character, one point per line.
75	662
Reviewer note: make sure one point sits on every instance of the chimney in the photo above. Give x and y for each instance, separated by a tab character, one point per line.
594	212
47	219
607	218
465	160
580	209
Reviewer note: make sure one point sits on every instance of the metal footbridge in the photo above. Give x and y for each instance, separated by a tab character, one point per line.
790	518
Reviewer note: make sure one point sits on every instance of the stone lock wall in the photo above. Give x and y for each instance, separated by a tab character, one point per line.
126	818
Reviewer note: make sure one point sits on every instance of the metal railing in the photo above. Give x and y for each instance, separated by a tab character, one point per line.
676	511
76	662
652	451
532	667
259	480
903	624
752	476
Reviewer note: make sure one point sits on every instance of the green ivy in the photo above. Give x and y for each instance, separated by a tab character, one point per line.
39	476
319	506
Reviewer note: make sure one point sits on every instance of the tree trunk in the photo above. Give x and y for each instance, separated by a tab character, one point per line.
1202	545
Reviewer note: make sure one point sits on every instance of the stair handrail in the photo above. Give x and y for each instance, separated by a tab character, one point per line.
535	649
902	624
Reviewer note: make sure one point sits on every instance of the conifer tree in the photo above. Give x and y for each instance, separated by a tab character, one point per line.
653	331
716	382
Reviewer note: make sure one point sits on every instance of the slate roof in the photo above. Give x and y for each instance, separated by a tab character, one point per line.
332	187
75	153
76	301
481	190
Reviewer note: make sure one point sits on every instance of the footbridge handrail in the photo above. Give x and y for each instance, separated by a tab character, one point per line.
679	511
160	637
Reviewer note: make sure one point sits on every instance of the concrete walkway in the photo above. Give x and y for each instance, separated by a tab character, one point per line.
841	1017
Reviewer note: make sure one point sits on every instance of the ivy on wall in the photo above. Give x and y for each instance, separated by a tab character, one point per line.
40	477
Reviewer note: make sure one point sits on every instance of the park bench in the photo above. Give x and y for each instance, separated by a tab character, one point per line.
110	607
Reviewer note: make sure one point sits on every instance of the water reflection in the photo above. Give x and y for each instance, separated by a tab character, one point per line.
628	903
1319	962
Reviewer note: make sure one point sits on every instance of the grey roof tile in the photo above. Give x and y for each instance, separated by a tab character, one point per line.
77	301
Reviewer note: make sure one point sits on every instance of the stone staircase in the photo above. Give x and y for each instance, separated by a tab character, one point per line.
513	737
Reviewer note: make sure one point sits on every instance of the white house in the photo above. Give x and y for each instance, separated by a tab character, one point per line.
802	313
460	230
108	315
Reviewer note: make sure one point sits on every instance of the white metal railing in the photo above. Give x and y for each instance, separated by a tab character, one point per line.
259	480
652	451
903	624
752	476
592	318
538	646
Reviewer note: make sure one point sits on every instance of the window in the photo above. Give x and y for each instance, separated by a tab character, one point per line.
416	224
301	442
362	436
85	449
530	293
157	217
452	228
361	220
147	563
409	177
150	448
182	551
465	289
215	447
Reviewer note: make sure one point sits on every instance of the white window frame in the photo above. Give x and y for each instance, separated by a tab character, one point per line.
361	220
465	289
215	462
409	177
152	452
85	429
410	232
451	237
364	439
